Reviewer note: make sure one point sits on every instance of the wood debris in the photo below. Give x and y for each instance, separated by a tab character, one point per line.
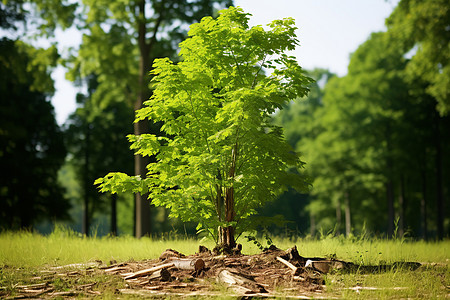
175	274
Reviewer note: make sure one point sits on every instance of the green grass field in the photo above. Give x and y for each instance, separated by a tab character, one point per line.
22	254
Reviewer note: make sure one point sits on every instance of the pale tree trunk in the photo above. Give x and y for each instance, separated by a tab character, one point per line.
338	217
312	226
348	220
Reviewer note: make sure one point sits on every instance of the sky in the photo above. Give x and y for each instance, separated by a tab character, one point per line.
328	31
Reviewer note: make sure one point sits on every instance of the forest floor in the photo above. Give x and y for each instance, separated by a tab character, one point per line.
273	273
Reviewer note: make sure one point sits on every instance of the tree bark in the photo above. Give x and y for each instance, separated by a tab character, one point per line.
87	184
439	192
423	205
402	205
348	220
142	204
312	224
226	234
113	229
389	182
338	217
390	203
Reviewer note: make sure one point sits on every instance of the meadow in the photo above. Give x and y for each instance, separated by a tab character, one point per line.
24	254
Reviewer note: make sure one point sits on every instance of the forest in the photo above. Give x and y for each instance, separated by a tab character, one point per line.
375	142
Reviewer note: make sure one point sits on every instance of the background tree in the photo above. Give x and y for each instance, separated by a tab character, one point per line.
371	147
299	124
121	39
220	158
421	27
31	143
97	144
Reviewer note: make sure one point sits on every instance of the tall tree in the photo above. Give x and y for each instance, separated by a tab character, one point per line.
422	27
31	143
97	144
121	39
299	124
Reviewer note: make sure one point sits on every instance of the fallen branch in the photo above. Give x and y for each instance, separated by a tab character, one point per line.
148	271
163	275
237	282
288	264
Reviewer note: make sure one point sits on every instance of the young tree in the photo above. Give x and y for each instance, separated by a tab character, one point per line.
121	39
221	157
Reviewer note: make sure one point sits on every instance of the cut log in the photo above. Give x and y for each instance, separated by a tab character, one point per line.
239	283
148	271
288	264
193	264
163	275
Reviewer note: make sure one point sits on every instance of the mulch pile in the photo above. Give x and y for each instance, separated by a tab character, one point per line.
271	273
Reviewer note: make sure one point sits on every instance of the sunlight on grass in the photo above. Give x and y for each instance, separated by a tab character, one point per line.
31	251
65	247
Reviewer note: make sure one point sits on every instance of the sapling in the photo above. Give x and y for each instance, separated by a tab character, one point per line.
220	157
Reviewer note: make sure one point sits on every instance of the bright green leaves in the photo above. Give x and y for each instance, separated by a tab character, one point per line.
216	107
120	183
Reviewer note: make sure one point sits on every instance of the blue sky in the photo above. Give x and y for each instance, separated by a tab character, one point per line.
329	31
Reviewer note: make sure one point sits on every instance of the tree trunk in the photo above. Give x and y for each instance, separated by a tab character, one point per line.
113	229
348	220
389	183
423	205
142	204
402	205
338	217
390	203
439	192
226	234
87	183
312	225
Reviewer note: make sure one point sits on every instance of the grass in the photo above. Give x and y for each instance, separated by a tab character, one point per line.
24	254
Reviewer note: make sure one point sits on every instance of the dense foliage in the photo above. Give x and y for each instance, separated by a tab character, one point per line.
375	146
31	143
